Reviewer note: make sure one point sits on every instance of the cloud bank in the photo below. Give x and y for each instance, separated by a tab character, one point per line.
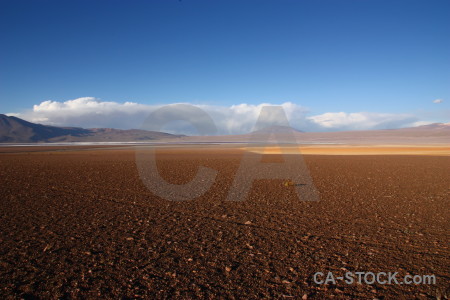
437	101
89	112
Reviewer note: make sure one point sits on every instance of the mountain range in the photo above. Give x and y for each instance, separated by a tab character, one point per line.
15	130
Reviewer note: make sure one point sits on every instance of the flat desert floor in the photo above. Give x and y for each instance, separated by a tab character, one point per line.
80	223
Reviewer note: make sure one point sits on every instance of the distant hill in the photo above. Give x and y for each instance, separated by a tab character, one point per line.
15	130
277	129
425	134
437	133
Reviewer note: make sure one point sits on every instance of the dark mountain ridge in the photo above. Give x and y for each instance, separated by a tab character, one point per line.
16	130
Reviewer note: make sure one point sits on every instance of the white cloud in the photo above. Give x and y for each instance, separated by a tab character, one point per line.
241	118
362	120
421	123
89	112
437	101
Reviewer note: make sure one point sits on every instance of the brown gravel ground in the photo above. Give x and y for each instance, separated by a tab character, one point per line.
81	224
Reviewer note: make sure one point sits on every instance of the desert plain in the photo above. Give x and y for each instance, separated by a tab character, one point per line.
78	222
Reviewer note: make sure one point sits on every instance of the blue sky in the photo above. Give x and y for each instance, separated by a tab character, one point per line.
351	56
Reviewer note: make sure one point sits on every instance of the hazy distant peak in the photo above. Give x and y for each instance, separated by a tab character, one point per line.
434	126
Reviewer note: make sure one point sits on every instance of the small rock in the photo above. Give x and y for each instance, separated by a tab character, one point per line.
248	223
305	296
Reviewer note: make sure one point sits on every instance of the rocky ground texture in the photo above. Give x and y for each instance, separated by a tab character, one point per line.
82	224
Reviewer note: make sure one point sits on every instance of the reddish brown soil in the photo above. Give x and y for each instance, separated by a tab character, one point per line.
82	224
